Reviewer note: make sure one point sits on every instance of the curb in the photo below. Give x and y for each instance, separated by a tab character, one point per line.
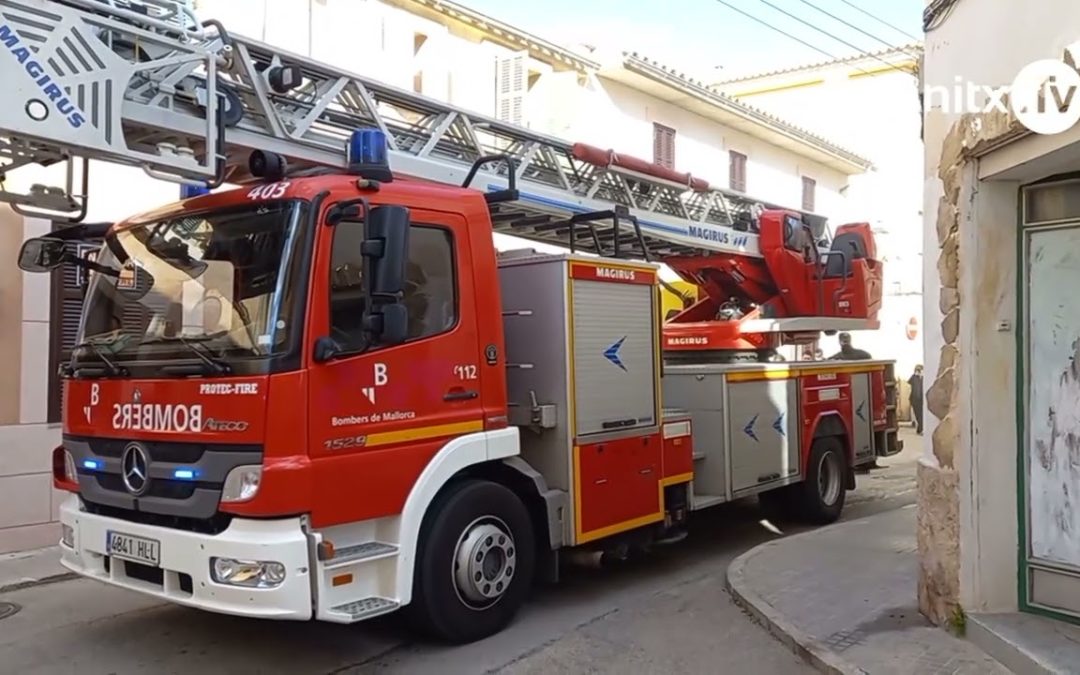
808	648
43	581
37	567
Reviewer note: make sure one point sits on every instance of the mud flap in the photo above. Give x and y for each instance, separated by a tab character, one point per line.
547	566
850	482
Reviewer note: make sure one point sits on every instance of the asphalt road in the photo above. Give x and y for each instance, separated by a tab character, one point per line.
666	613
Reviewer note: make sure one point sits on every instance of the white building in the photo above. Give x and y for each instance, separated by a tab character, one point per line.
443	50
998	486
869	103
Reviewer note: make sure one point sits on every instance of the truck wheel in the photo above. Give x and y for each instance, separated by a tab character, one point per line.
823	492
475	562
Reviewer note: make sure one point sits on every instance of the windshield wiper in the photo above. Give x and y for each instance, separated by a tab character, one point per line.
111	367
200	350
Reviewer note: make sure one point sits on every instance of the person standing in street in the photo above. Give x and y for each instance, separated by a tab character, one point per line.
915	397
848	352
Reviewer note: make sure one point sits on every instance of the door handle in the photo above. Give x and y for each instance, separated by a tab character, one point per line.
460	395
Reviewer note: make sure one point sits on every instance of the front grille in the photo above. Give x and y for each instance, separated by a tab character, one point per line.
215	524
172	502
164	451
166	489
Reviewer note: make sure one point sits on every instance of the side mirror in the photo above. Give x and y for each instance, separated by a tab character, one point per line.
386	254
390	324
42	254
386	250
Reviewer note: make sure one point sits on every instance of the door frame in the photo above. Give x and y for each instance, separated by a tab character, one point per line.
1026	563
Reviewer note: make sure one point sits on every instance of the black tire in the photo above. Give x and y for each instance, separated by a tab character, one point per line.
822	501
441	606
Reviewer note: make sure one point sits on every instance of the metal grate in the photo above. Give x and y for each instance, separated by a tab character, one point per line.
363	551
368	607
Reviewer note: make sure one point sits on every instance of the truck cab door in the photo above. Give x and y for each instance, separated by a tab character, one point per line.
377	413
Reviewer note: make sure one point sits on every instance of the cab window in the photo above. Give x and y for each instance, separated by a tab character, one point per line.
430	288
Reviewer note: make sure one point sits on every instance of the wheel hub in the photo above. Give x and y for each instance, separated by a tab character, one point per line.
829	479
484	562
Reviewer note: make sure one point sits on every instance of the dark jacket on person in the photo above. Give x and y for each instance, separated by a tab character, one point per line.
850	354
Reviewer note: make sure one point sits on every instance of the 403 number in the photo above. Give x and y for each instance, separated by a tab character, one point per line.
269	191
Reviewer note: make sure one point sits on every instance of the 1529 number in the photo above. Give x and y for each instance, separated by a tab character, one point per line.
345	443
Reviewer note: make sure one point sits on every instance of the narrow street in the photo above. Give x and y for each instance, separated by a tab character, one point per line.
667	613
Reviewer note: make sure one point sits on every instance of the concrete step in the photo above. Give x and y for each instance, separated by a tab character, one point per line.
1025	643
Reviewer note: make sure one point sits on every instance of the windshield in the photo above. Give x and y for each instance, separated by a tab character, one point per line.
222	279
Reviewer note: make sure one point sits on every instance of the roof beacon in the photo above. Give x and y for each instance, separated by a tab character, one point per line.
366	155
188	190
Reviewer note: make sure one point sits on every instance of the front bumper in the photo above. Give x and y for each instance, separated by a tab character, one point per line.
183	576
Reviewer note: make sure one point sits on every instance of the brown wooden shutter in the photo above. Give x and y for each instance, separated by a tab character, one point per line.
808	188
663	145
737	171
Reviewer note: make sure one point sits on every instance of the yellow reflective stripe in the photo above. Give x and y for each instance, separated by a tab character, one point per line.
424	433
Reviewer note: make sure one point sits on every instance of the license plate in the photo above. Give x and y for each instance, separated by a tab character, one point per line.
137	549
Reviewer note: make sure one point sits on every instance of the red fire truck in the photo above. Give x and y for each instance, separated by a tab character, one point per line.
324	394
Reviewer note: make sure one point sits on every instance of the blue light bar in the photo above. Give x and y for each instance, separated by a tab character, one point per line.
189	191
184	474
92	464
367	155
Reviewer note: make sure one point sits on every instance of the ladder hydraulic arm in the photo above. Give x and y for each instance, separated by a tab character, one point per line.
145	83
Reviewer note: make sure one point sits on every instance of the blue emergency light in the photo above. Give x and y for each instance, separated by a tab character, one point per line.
366	155
185	474
91	464
188	191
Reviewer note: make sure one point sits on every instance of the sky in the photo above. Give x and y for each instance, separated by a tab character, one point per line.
709	39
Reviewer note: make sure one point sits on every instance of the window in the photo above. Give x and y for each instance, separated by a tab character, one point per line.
430	284
737	171
808	185
418	77
663	144
511	88
237	297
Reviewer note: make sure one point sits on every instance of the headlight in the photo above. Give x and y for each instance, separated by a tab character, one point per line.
69	468
247	573
241	484
67	535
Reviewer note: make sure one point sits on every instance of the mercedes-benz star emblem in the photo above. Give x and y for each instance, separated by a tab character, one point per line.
134	469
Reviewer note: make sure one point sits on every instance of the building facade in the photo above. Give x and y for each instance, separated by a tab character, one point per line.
998	485
442	50
869	103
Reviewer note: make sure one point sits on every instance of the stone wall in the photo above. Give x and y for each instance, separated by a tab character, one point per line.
937	479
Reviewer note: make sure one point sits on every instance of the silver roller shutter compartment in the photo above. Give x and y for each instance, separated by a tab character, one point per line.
614	356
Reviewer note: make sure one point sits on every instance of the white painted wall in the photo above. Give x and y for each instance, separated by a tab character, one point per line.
877	117
611	114
987	447
959	49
